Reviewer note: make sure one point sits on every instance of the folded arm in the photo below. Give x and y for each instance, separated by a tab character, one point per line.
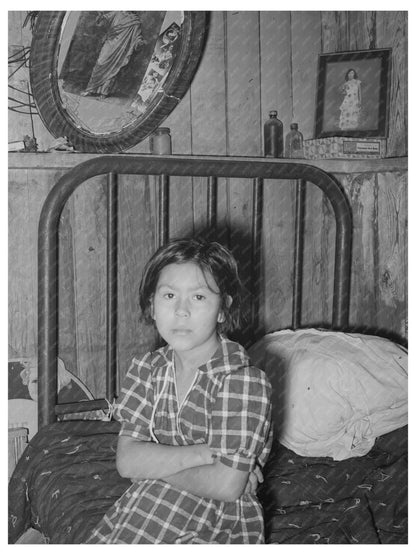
190	467
140	460
216	481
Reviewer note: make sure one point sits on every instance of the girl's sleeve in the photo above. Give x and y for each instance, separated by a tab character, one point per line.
241	419
134	409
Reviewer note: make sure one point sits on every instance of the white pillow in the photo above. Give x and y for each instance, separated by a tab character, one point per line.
333	392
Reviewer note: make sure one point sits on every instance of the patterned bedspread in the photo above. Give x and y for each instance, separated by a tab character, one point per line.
67	479
361	500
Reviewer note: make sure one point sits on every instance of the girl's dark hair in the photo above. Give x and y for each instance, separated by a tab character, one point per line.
212	258
353	70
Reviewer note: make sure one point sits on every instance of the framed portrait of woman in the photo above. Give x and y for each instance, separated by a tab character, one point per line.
107	79
353	94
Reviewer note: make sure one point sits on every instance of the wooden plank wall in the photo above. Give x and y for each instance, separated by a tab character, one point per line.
379	286
253	62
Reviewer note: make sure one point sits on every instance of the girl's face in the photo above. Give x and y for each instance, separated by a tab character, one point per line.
186	308
351	75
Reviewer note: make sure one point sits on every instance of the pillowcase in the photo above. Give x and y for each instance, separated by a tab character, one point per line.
333	392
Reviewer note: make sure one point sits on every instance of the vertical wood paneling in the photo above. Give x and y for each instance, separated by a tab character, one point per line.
90	234
392	247
67	306
27	192
136	239
180	195
22	268
361	190
362	30
328	259
244	122
346	31
181	203
275	66
208	92
243	74
392	32
209	126
343	30
328	32
278	241
277	92
180	190
335	31
318	259
305	47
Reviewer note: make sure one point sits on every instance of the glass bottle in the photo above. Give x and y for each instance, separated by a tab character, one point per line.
273	136
294	142
160	141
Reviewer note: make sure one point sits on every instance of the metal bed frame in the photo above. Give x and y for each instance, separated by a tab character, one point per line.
212	168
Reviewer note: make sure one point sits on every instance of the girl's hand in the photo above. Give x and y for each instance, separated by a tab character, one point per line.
254	479
207	454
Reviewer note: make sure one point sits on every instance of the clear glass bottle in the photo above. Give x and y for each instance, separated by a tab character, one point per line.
273	136
294	142
160	141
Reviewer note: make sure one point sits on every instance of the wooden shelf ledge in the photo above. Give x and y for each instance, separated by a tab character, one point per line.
63	160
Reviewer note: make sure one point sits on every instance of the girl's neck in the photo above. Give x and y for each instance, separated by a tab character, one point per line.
187	361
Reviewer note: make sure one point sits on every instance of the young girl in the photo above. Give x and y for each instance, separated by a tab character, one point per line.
195	415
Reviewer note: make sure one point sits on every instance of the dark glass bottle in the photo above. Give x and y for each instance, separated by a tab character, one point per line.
273	136
294	142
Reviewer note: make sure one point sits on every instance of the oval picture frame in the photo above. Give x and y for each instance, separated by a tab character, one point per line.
107	80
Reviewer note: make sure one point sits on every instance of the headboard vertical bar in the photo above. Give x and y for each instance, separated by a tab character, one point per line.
212	195
258	195
342	271
163	209
112	285
298	253
48	259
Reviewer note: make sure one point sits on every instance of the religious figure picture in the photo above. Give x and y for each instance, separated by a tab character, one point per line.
113	63
123	37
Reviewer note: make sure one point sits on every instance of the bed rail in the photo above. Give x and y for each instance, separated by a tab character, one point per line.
211	167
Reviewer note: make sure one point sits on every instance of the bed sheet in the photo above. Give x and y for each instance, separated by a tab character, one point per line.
361	500
65	481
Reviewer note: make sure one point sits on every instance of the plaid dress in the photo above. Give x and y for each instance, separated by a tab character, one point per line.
228	407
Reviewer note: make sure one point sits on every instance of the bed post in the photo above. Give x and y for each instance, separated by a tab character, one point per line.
298	253
212	196
112	285
163	209
258	195
48	306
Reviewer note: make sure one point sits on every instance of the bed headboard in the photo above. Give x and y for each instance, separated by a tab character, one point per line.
211	167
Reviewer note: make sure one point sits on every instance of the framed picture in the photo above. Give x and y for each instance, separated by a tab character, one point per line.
352	94
106	80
